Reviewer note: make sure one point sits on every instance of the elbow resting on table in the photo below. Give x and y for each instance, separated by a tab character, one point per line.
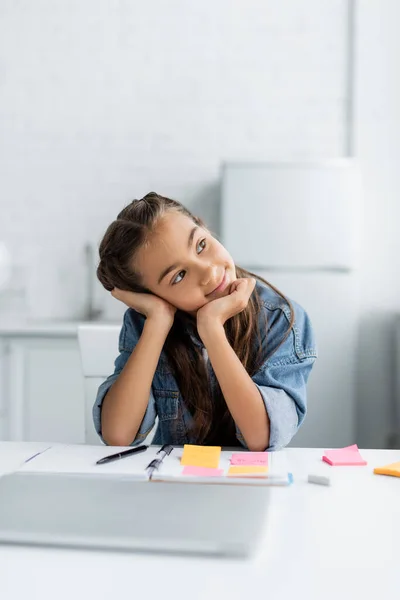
257	445
117	438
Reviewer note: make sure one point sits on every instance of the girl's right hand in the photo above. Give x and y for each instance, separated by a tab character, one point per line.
149	305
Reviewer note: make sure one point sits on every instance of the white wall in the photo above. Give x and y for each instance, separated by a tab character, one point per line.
377	144
102	101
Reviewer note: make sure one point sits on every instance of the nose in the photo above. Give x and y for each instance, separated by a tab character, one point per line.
208	273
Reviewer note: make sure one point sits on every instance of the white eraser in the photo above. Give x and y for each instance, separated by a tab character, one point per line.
319	479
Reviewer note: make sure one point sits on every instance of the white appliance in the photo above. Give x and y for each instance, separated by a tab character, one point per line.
296	225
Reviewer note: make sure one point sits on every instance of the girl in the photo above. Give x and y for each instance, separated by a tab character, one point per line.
217	354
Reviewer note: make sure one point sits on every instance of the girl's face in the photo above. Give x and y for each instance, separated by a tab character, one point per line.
184	264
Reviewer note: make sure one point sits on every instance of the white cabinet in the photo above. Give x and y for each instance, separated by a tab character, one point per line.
41	392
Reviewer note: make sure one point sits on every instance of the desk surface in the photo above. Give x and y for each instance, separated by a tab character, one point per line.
340	542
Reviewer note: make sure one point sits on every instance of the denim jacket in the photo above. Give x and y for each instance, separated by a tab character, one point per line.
281	379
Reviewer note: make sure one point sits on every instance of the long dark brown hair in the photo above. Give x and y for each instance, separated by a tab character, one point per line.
123	238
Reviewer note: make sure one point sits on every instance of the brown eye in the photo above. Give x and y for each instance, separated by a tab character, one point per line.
201	245
176	278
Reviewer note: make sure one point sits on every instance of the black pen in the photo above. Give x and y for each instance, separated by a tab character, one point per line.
119	455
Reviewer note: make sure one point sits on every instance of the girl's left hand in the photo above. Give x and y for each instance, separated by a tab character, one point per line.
220	310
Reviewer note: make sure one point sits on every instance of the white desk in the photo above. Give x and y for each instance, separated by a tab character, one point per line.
321	543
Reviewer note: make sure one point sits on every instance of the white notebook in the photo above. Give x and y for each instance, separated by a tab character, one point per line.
81	459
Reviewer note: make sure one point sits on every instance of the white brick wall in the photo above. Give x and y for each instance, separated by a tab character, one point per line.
102	101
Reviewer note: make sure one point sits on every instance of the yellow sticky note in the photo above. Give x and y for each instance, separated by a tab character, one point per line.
392	469
201	456
247	470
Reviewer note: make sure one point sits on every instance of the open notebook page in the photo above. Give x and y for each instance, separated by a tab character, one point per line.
81	459
14	454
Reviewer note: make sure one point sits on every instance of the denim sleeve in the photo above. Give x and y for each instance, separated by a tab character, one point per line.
282	379
127	341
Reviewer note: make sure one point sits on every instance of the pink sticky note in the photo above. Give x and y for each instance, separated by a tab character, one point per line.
349	456
202	471
250	458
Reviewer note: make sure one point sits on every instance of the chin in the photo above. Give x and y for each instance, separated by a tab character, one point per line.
197	308
191	310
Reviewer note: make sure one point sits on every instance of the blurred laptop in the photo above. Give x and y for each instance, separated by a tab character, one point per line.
121	514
